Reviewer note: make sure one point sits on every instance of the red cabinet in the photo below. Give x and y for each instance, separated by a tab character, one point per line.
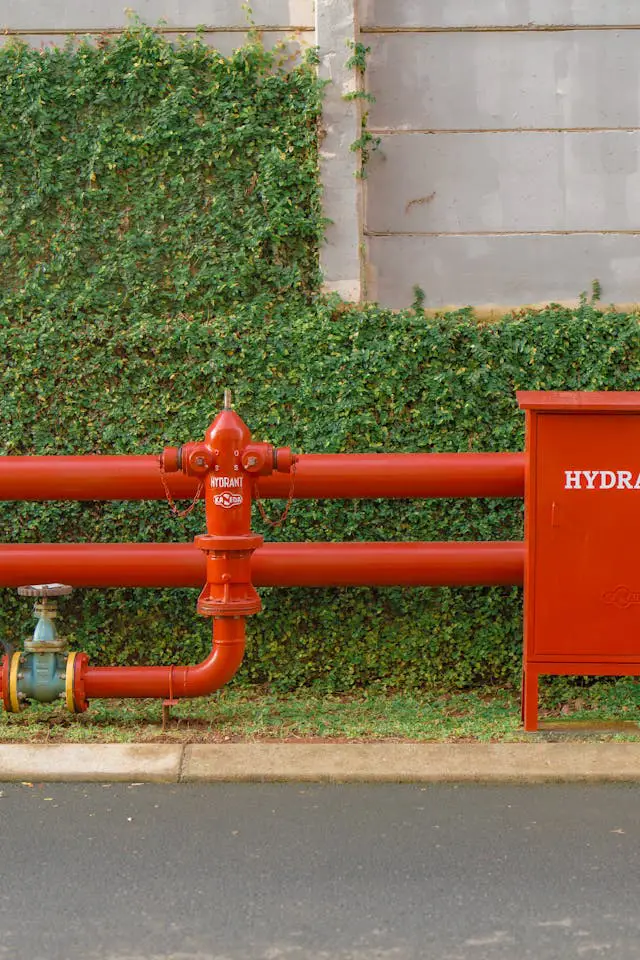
582	509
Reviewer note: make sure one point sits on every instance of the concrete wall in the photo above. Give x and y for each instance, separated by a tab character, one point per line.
225	21
509	164
508	170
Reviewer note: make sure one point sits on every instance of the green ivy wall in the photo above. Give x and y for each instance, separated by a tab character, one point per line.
159	233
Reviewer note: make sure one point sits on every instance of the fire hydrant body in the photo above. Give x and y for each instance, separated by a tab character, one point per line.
228	465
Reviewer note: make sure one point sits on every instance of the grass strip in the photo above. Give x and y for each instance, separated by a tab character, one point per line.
602	711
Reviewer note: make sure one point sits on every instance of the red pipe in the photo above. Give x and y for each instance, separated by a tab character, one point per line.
169	682
274	564
321	476
405	475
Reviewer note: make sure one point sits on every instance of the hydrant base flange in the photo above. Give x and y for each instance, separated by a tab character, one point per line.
242	605
228	591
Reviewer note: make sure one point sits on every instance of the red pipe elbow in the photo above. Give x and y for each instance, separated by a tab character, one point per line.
168	682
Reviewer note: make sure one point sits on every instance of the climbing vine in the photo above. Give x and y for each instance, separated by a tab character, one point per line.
366	142
135	175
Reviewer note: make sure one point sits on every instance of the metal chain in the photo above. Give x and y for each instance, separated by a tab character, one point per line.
172	504
283	516
269	522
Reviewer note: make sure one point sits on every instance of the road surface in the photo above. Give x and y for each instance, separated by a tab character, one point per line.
319	872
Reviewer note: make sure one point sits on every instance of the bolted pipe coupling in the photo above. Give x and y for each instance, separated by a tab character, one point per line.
171	459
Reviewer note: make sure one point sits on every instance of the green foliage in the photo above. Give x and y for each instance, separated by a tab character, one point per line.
159	228
419	297
323	376
365	143
358	59
141	177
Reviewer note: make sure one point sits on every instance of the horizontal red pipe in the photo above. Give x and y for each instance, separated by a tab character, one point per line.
197	681
322	476
275	564
406	475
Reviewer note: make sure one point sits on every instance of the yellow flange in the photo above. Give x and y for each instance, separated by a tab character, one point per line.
13	683
71	703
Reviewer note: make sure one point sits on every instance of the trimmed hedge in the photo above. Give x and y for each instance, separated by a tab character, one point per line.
322	376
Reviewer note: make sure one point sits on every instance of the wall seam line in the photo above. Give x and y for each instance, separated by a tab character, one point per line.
501	233
388	132
519	28
201	28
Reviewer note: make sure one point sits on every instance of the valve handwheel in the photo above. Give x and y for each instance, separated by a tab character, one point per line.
44	590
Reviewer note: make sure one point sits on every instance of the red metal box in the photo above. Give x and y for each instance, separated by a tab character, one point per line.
582	519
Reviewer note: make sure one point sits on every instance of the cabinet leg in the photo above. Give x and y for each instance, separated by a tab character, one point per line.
530	699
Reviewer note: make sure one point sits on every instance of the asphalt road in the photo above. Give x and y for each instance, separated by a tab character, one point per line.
320	872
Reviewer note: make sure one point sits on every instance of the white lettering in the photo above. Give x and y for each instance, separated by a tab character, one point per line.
225	482
607	479
572	479
602	480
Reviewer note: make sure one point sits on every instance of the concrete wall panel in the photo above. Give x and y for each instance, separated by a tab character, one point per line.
502	270
68	15
458	183
504	80
508	169
340	254
499	13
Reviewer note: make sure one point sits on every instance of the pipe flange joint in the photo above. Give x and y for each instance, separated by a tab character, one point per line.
76	699
14	701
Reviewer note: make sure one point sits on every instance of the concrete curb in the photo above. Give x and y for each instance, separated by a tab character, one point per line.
97	761
337	763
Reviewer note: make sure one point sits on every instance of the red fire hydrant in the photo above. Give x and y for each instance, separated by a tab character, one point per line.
228	465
